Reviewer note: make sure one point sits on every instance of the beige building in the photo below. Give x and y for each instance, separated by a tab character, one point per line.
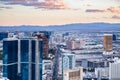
107	42
76	74
73	44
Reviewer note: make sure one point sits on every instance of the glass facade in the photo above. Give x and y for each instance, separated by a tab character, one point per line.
28	49
65	62
33	59
24	50
71	61
40	71
24	71
68	61
10	50
3	35
40	58
33	51
24	56
40	49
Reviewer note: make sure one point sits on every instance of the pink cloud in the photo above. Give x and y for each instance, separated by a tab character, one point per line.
5	7
47	4
115	17
114	10
88	5
95	10
110	9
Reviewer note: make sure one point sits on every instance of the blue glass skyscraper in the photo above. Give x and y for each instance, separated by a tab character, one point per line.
3	35
10	50
26	57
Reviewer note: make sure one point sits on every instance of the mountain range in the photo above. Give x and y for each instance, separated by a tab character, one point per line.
87	27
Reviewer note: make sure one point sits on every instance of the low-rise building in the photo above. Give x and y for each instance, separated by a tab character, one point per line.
73	74
47	69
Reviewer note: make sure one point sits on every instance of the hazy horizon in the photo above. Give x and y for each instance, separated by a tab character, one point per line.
60	24
58	12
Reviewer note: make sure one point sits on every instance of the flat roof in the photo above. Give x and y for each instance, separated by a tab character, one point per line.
13	39
73	70
9	39
108	34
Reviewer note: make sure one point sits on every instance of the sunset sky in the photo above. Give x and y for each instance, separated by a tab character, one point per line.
58	12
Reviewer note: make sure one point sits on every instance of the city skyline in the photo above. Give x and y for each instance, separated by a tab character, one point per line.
58	12
88	57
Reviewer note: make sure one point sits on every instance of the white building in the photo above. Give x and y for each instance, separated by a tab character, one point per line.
114	70
47	69
102	72
108	53
67	61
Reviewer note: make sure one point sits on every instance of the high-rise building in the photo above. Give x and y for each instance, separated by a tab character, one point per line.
3	35
10	59
68	61
114	37
56	63
22	59
114	71
75	74
108	42
45	37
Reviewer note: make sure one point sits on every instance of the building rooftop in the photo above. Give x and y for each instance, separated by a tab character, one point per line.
73	70
117	61
107	34
3	78
10	39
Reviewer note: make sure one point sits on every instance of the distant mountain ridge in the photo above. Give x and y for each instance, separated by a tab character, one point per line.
80	26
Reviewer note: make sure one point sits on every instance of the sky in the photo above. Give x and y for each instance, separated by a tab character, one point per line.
58	12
